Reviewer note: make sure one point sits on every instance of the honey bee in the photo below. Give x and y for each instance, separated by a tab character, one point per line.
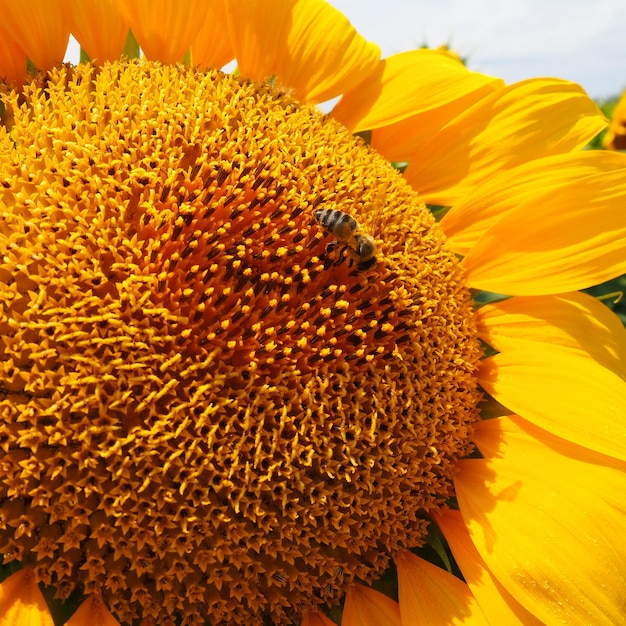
360	245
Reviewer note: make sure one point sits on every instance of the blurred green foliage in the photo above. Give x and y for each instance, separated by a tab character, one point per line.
613	294
606	106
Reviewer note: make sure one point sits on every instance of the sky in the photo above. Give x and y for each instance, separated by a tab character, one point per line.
579	40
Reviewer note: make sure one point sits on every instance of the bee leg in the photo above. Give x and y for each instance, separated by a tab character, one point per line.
331	255
353	257
345	252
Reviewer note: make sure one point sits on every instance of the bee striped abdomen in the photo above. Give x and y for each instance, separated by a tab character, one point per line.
334	220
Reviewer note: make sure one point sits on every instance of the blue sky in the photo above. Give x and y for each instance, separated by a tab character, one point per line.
579	40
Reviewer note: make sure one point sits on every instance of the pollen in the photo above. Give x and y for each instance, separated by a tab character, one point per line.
210	411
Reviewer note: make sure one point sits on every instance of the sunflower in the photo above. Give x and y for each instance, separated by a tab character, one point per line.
247	377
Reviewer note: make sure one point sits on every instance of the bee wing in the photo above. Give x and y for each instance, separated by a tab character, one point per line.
345	234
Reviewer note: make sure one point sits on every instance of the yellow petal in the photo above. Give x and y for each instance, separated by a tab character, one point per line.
40	27
12	59
100	28
366	607
555	236
399	141
212	47
313	618
521	187
92	612
575	321
407	84
563	392
164	29
430	595
525	121
22	603
547	517
308	46
496	603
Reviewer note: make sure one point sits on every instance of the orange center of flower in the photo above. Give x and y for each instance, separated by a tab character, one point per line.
210	407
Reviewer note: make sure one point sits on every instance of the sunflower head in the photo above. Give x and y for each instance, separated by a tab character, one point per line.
210	408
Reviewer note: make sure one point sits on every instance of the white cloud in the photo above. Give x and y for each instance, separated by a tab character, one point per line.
579	40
